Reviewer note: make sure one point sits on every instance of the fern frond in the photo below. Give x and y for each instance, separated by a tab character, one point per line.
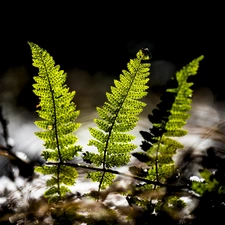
58	125
118	116
168	120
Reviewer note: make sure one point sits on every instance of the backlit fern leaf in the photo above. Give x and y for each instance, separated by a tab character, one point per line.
59	114
168	120
118	116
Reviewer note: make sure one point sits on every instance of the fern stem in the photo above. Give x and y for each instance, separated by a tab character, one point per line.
58	183
55	119
100	183
156	158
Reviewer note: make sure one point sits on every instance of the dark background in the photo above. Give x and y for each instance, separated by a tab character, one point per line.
104	37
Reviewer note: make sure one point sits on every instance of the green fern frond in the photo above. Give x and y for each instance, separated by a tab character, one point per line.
58	125
118	116
168	120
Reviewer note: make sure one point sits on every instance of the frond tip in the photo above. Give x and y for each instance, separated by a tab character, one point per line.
118	116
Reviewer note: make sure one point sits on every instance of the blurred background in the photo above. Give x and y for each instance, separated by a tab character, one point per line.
93	42
88	40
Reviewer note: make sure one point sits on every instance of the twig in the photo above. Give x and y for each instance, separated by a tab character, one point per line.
118	173
5	133
25	168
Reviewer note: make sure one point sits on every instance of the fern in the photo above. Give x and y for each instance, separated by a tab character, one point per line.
59	114
117	117
168	120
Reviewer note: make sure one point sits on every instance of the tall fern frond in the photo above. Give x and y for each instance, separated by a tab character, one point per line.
117	117
167	121
59	114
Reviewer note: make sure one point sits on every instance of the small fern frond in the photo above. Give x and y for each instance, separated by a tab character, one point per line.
168	120
117	117
58	125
